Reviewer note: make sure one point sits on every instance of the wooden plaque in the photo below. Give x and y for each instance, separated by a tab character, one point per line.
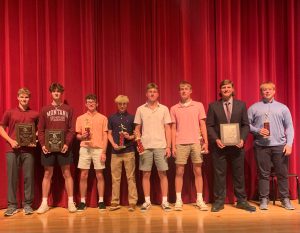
25	133
55	140
230	134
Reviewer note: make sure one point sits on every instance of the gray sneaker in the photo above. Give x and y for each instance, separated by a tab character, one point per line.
285	203
10	211
263	204
27	210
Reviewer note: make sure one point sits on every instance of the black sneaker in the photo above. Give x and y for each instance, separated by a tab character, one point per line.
101	206
11	211
81	206
244	205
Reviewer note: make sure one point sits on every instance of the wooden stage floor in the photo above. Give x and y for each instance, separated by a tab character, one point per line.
276	219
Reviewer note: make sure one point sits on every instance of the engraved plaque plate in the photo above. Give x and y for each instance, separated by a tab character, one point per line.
55	140
230	134
25	134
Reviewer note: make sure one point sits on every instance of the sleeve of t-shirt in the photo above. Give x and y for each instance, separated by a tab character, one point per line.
202	114
41	128
105	124
173	116
5	119
137	118
167	117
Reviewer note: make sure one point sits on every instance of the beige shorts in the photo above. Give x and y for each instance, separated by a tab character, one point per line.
159	157
183	151
87	155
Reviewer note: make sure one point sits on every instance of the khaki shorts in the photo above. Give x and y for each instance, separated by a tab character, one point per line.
159	157
183	151
87	155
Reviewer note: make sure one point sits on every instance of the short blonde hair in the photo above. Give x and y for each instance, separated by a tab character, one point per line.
122	99
24	90
267	84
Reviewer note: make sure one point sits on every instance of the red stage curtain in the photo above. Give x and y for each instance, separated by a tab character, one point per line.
113	47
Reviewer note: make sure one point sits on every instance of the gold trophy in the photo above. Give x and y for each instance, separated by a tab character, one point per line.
267	124
87	128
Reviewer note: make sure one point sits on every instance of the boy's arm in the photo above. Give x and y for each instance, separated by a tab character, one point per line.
204	135
103	154
12	142
168	139
173	139
111	140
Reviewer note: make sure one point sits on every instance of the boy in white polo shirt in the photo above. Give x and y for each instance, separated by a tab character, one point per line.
154	119
188	120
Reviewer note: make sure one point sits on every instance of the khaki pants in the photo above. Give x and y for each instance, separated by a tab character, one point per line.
116	172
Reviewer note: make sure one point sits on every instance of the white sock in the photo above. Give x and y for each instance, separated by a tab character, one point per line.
100	199
147	199
199	197
164	199
70	199
178	197
82	199
45	201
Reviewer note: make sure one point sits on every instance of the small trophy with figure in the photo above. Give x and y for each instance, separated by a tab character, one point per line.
267	124
87	128
121	137
201	139
202	142
139	144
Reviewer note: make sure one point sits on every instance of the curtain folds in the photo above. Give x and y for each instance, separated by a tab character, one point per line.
112	47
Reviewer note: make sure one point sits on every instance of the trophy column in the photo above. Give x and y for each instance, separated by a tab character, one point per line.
121	137
267	124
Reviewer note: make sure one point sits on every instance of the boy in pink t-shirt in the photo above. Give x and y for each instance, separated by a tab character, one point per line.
188	126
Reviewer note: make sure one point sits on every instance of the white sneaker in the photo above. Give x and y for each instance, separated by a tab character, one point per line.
178	205
42	209
71	207
201	205
166	206
145	206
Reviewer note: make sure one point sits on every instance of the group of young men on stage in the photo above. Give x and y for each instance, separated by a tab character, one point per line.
184	131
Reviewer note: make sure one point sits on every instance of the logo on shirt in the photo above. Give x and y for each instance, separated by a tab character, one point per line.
57	115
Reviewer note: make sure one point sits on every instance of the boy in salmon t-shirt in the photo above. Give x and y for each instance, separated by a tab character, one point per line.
91	129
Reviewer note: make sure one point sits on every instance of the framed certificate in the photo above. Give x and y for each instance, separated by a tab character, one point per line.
230	134
55	140
25	134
